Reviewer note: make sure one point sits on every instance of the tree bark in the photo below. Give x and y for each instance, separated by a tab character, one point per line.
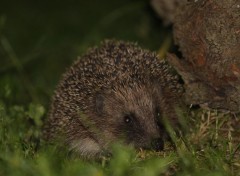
208	35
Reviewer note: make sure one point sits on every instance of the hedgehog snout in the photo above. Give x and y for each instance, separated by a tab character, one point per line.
157	144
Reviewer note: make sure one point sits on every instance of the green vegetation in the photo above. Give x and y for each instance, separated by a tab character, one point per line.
38	40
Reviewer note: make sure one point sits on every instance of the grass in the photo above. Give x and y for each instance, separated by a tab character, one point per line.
204	150
39	40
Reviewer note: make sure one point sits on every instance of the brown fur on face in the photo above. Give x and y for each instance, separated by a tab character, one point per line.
139	104
117	92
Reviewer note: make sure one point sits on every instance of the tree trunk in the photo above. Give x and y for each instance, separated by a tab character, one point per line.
208	35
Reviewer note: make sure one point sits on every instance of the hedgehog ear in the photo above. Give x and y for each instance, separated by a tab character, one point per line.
99	103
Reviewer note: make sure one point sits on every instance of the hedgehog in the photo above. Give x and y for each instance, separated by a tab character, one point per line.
117	92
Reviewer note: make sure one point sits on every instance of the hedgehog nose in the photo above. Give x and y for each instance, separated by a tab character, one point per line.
157	144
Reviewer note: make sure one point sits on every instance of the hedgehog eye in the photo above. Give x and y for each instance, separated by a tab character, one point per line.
128	119
158	114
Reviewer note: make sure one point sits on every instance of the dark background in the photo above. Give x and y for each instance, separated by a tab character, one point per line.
40	39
